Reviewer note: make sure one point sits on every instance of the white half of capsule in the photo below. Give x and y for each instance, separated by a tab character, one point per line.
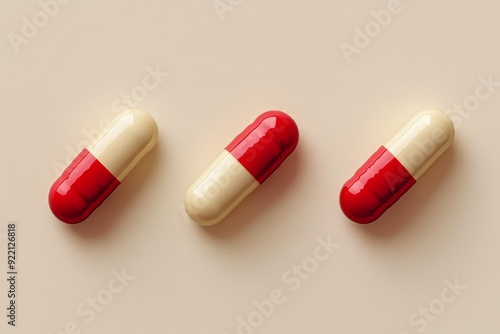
223	185
422	141
125	141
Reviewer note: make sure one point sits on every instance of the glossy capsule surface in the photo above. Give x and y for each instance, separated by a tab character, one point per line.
396	166
101	167
241	167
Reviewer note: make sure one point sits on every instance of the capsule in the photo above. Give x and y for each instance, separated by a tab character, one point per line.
241	167
395	167
102	166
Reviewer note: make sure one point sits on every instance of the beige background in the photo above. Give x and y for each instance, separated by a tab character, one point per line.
222	73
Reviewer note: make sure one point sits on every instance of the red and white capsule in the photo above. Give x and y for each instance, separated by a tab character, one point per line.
101	167
395	167
241	167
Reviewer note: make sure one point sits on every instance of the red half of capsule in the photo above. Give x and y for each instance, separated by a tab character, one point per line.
81	188
263	146
375	187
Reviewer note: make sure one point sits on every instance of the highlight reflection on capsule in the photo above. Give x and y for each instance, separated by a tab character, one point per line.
241	167
96	172
396	166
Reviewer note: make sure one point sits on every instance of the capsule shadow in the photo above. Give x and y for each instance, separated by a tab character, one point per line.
405	212
107	216
257	203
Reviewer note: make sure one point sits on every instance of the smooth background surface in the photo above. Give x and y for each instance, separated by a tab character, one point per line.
222	74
